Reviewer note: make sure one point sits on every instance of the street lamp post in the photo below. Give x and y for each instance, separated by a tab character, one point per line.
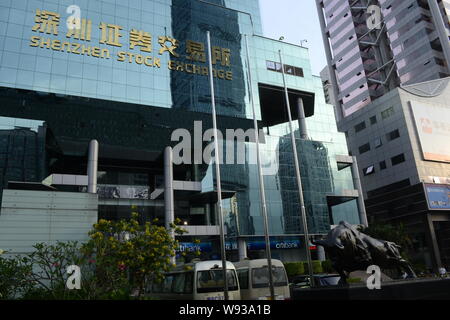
217	165
297	173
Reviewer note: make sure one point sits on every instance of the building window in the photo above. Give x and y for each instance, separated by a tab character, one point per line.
288	69
393	135
369	170
398	159
373	120
360	126
387	113
383	165
364	148
377	142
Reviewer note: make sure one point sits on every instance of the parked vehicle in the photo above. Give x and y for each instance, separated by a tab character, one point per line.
320	280
202	280
254	279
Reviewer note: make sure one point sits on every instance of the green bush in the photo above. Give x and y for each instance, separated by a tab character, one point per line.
327	267
301	268
14	277
354	280
294	269
316	265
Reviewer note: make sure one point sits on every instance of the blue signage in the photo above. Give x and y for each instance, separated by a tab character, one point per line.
232	245
274	244
438	196
192	247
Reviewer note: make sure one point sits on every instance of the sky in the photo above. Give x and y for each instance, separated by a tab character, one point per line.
296	20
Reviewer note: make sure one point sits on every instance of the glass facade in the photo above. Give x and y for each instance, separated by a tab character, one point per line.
22	150
137	70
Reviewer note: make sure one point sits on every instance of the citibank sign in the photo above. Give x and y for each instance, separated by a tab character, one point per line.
232	245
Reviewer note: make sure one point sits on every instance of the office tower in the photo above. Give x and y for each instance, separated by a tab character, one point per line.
134	74
388	66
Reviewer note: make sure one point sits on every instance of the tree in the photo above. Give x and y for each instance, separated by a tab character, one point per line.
14	276
129	256
392	233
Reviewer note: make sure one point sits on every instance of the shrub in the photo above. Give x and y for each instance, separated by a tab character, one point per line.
129	256
294	269
327	267
14	277
316	265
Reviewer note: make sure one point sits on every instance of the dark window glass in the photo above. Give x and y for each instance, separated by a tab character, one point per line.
189	282
167	284
383	165
288	69
243	278
270	65
212	281
364	148
360	126
179	282
373	120
393	135
377	142
398	159
260	277
369	170
387	113
298	72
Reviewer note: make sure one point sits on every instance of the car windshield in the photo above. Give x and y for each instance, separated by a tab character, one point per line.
260	277
212	281
330	281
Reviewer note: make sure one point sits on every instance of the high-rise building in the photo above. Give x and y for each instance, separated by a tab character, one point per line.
388	66
134	77
374	46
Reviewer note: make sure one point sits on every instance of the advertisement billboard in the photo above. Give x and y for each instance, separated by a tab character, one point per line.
433	128
438	196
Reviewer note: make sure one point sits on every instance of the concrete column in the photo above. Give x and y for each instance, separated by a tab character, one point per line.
92	167
208	214
242	247
432	243
169	206
440	27
321	253
302	119
357	184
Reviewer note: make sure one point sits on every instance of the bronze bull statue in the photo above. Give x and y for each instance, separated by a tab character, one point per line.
351	250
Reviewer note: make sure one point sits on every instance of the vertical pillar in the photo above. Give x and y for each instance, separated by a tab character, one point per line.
242	247
208	214
432	243
357	184
169	207
92	166
302	119
321	253
440	27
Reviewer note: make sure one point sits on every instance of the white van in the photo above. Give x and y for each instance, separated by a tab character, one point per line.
203	281
254	279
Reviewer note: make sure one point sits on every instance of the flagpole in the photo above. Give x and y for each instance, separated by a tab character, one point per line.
260	178
298	175
217	165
